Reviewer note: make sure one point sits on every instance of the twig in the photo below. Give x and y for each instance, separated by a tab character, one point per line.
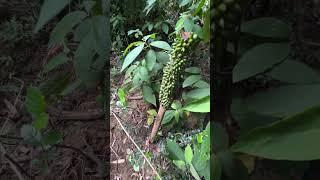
14	165
77	150
118	119
134	97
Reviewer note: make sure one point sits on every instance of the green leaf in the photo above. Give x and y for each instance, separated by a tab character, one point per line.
162	57
259	59
174	150
202	105
161	44
148	95
176	105
179	24
49	9
168	115
30	134
35	102
188	25
194	173
130	46
150	59
201	84
41	121
266	27
294	72
82	29
143	73
284	101
188	154
287	139
65	26
176	115
191	80
206	27
184	2
198	93
193	70
57	60
70	88
165	28
132	56
53	137
180	164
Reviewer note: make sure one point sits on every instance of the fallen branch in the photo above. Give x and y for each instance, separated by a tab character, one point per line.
144	156
134	97
157	123
76	115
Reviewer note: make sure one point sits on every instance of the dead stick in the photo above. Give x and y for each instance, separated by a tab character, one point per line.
157	123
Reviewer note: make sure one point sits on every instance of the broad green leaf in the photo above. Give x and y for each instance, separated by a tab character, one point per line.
184	2
176	115
161	44
55	84
52	138
188	154
220	138
152	112
201	84
162	57
194	172
165	28
198	93
41	121
168	115
201	105
65	26
150	59
266	27
174	150
199	7
247	119
290	139
179	24
30	134
259	59
70	88
193	70
143	72
176	105
188	25
294	72
57	60
49	9
100	28
180	164
35	102
82	29
132	56
130	46
191	80
284	101
148	95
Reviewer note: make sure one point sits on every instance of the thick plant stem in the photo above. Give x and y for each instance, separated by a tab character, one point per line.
157	123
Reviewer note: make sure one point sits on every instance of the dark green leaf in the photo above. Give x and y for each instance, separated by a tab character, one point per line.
201	105
41	121
191	80
198	93
49	9
167	117
52	138
57	60
193	70
174	150
288	139
35	102
148	95
65	26
150	59
266	27
259	59
294	72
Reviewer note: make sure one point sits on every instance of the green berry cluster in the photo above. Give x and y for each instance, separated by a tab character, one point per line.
226	15
173	70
